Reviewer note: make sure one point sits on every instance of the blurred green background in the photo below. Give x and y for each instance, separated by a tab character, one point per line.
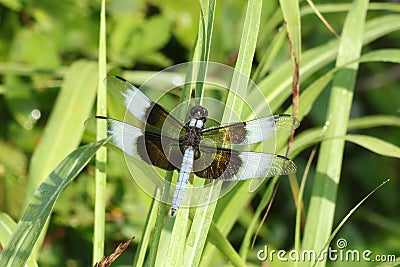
40	40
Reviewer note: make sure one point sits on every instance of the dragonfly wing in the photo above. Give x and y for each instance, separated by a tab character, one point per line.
144	145
251	132
229	164
139	104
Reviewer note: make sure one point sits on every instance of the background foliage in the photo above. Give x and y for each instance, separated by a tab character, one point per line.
48	54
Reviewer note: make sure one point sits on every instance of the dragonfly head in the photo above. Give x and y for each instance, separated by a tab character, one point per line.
198	113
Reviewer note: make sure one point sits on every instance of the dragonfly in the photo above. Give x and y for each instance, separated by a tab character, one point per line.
186	151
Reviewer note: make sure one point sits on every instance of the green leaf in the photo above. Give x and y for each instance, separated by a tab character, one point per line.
14	163
322	204
382	55
223	244
7	227
64	129
21	100
374	121
315	135
14	5
101	156
291	14
374	144
30	46
276	86
29	228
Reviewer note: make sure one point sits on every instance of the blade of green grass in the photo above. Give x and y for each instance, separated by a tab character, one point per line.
197	72
101	155
374	144
322	205
144	241
241	76
342	222
313	59
196	239
7	227
313	136
334	8
291	14
176	246
276	86
64	129
162	207
374	121
382	55
252	227
29	228
239	86
300	206
224	246
269	56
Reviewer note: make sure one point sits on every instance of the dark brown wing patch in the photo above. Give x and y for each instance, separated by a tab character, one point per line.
150	149
230	134
225	165
157	116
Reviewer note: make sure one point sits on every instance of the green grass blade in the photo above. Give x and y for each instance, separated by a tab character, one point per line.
29	228
144	241
197	72
229	208
300	206
382	55
343	221
270	55
64	130
374	121
244	61
179	251
276	86
315	135
252	227
7	227
222	243
322	205
291	14
374	144
335	8
101	155
200	226
177	242
239	84
162	207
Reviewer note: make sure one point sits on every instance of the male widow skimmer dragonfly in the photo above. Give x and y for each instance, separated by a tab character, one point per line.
187	153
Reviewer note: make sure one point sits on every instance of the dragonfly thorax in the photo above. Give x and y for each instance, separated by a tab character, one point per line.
193	134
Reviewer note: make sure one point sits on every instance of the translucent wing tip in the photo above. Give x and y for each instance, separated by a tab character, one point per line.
284	166
286	121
